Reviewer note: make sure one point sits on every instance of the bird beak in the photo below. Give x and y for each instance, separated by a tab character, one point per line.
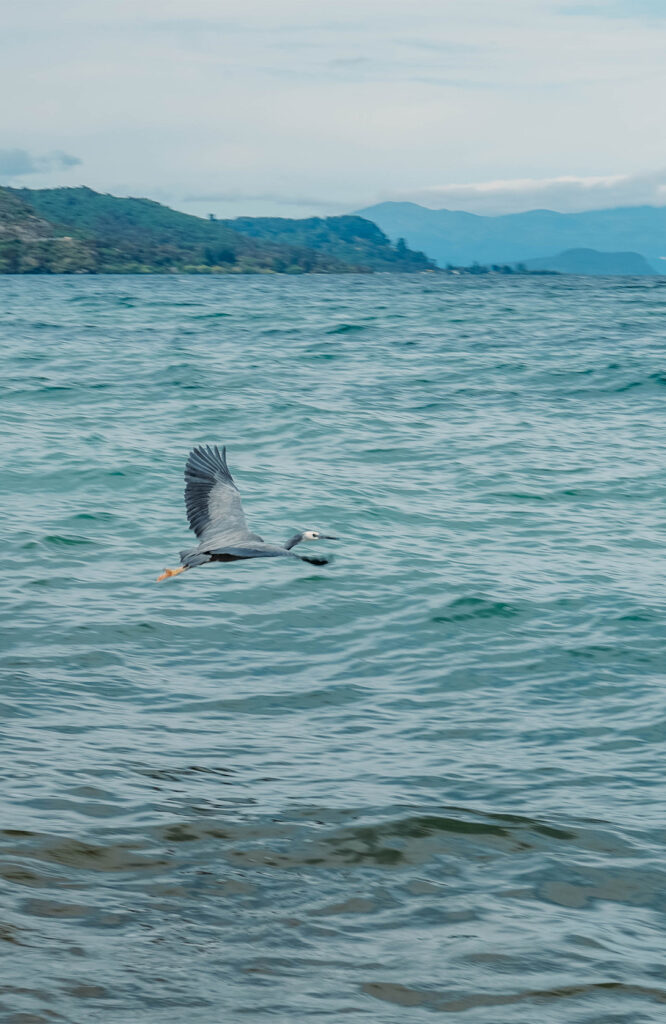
326	536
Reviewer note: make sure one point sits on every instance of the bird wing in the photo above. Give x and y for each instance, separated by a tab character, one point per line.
212	499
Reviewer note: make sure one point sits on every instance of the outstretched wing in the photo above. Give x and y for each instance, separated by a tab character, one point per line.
212	499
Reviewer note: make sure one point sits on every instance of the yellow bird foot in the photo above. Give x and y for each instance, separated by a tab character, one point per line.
171	572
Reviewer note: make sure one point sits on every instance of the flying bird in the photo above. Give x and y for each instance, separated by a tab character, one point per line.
216	515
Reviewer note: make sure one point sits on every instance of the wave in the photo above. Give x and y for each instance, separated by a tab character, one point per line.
347	328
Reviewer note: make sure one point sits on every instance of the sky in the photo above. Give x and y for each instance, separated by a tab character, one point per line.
318	107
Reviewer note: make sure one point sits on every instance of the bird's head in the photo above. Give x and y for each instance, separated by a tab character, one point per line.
307	535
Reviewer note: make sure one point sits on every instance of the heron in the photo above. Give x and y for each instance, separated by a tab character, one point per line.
215	513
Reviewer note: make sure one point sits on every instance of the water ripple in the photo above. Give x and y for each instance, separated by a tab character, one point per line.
426	778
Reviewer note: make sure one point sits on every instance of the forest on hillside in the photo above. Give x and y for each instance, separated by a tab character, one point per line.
77	230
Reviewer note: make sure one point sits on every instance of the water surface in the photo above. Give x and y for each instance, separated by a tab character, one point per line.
425	779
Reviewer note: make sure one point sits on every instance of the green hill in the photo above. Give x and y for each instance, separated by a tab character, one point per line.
348	238
19	221
67	230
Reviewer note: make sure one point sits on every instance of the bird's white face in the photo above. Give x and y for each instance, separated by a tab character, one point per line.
311	535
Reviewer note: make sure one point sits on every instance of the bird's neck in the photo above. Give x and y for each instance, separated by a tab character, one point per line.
296	539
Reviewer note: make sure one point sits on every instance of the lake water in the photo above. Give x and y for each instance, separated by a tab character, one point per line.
426	779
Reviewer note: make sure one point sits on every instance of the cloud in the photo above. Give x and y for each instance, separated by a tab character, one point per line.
275	198
15	163
61	161
617	8
341	102
567	194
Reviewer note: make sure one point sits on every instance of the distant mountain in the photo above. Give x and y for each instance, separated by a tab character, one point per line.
458	238
591	261
77	230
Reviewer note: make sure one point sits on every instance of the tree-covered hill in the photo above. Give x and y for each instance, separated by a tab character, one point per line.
348	238
68	230
20	221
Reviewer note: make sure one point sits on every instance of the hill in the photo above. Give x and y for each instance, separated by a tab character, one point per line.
19	222
345	238
68	230
455	237
591	261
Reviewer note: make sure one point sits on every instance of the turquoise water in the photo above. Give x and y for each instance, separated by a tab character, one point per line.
427	778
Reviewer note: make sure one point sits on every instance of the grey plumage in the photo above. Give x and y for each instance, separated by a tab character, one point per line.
212	500
216	516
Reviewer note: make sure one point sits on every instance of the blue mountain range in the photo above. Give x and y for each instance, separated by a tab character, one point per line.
459	238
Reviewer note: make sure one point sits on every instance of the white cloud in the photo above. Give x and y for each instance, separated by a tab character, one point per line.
264	104
238	202
567	193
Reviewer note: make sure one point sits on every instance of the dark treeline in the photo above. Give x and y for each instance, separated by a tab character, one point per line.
495	268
